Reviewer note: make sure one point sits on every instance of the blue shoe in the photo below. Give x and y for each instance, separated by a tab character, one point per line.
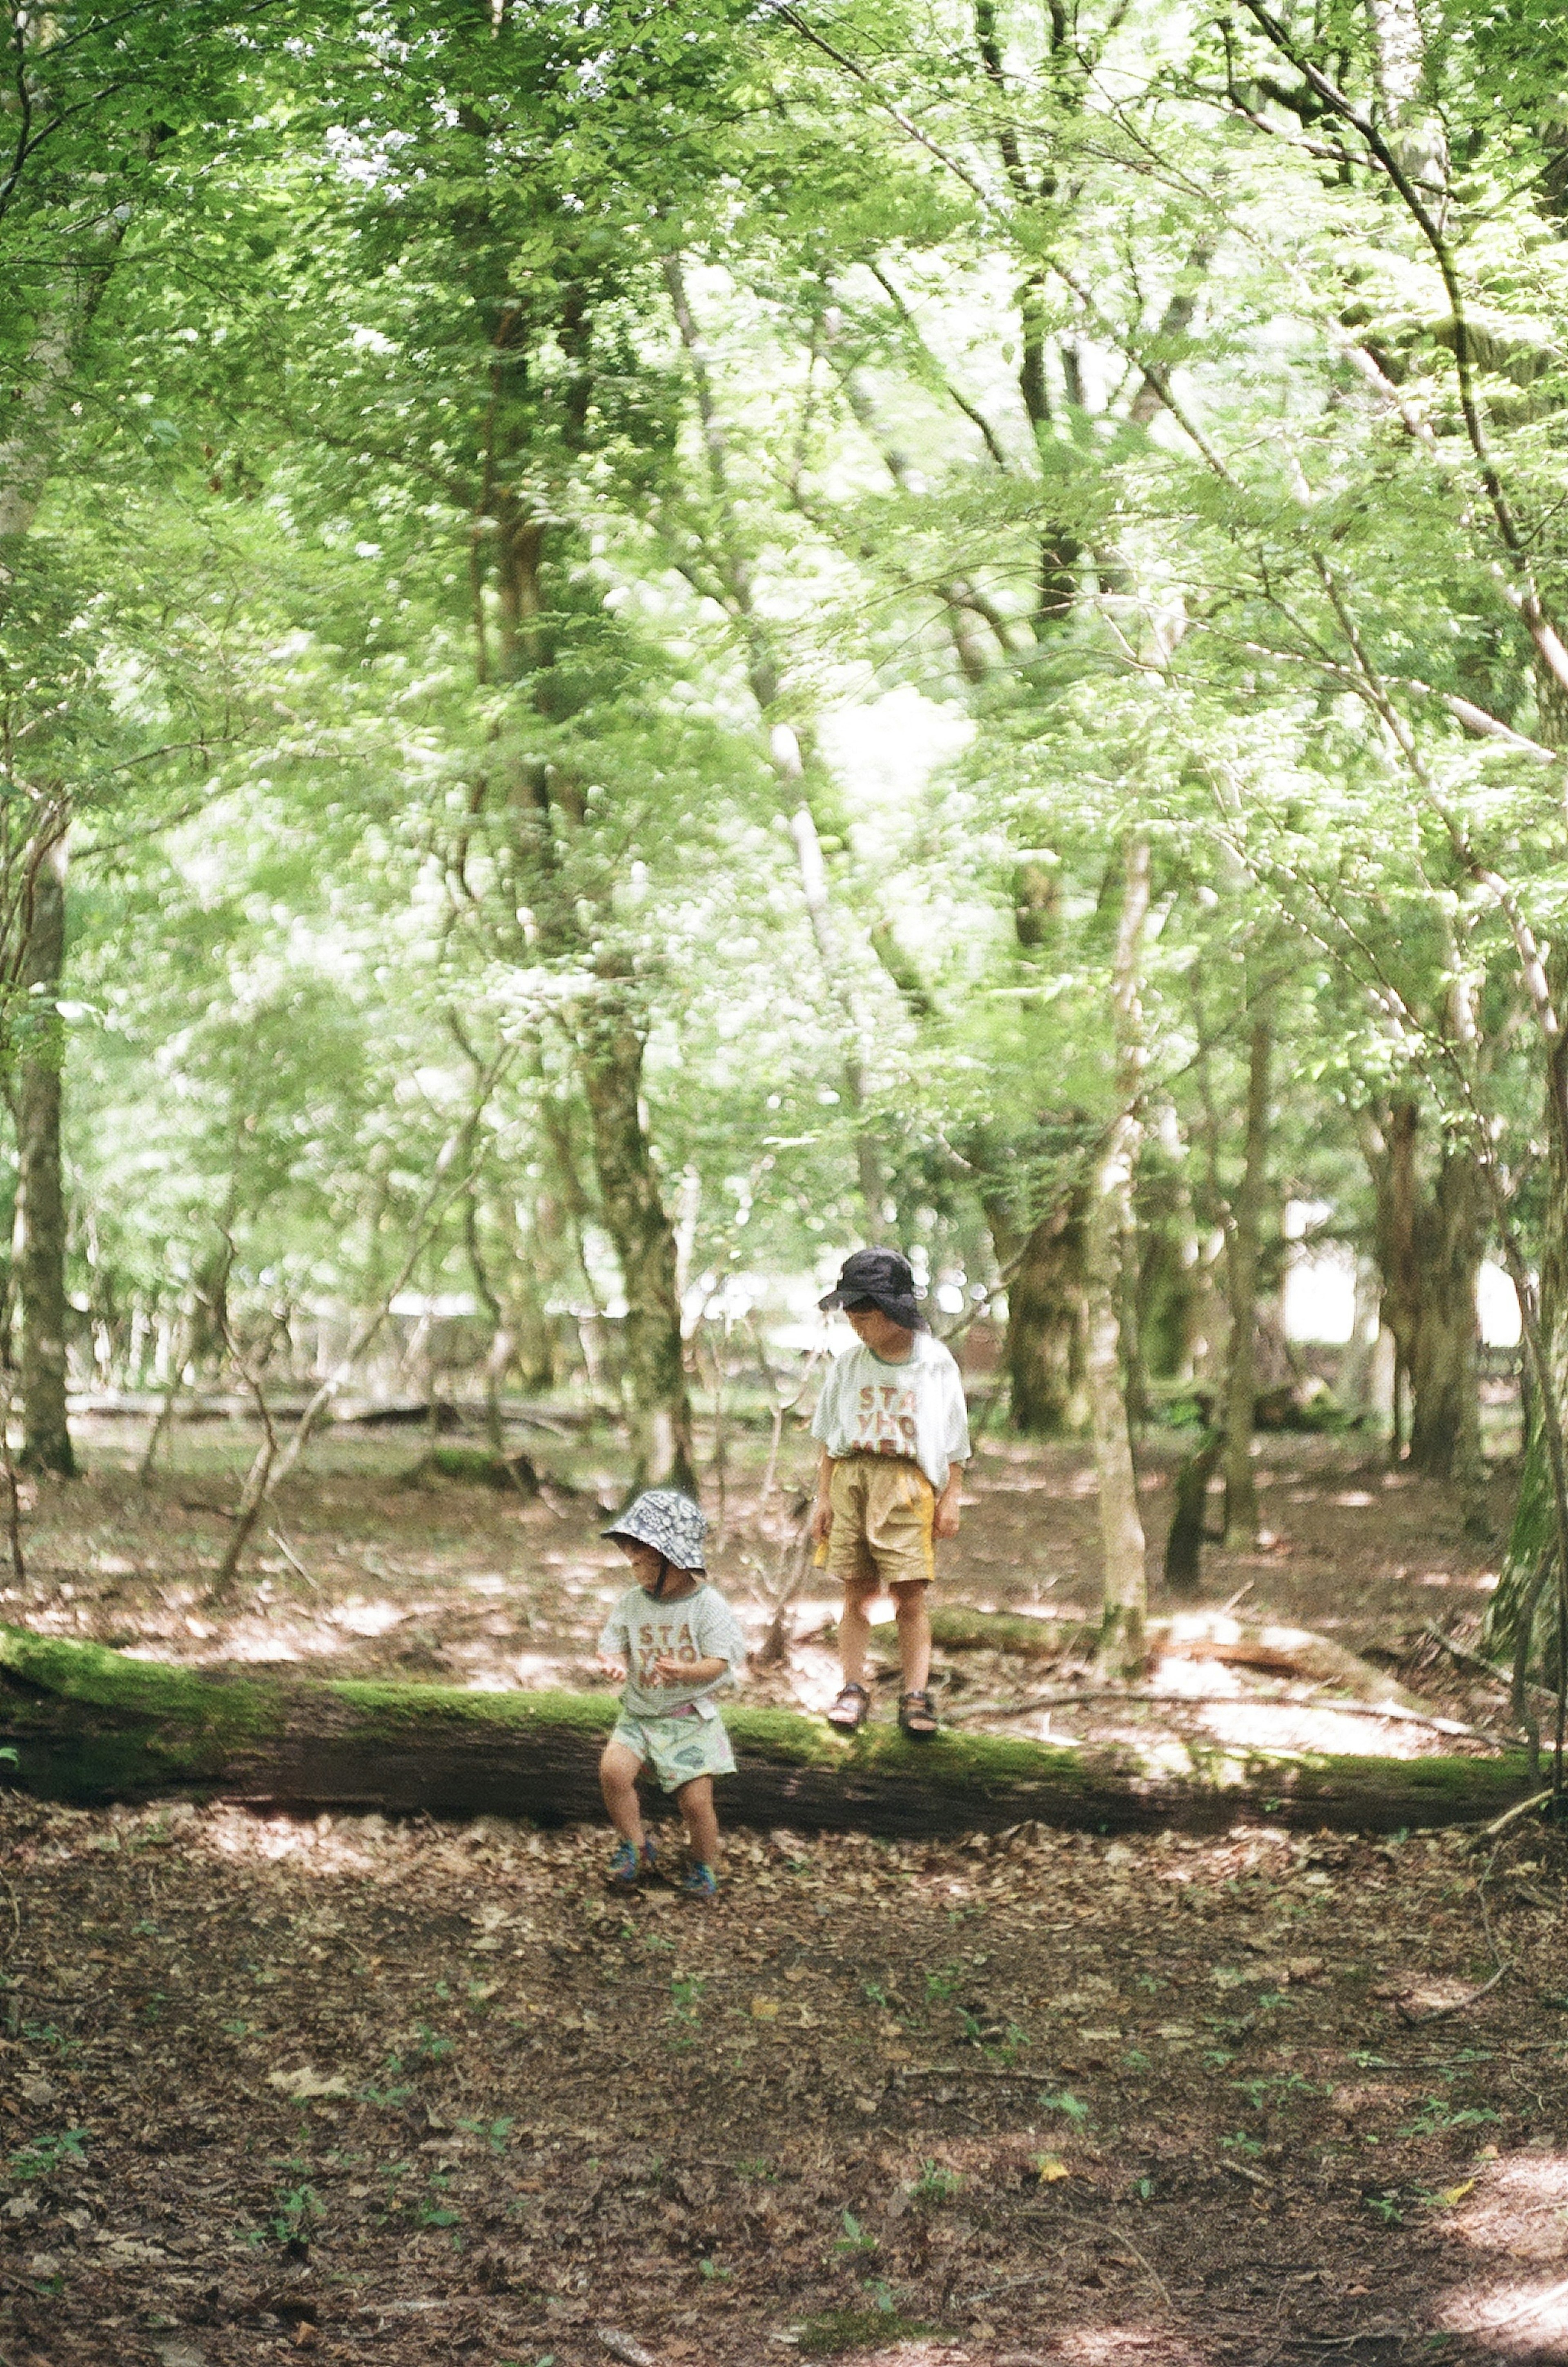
628	1867
701	1882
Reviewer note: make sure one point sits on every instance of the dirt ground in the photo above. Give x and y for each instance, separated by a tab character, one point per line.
413	2093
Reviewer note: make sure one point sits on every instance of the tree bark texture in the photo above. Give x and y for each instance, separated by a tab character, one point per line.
1430	1238
39	1239
1242	1240
610	1048
1047	1325
1525	1593
91	1726
1108	1231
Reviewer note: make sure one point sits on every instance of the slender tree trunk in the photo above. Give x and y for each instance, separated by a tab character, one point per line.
1523	1598
1445	1433
610	1048
1047	1323
1241	1375
1126	1608
39	1239
1430	1240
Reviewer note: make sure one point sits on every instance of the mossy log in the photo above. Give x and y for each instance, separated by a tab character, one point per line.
477	1467
90	1724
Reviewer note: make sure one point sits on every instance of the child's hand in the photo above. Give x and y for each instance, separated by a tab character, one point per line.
668	1670
614	1669
821	1521
945	1519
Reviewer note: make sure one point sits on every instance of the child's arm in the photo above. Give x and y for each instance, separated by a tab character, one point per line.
946	1518
822	1511
670	1670
615	1650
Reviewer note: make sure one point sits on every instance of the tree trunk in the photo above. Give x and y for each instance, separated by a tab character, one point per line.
1125	1599
1525	1594
1445	1425
1429	1247
1047	1323
610	1045
1241	1374
39	1239
89	1725
1189	1521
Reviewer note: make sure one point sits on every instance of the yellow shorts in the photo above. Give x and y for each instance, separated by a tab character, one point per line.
883	1509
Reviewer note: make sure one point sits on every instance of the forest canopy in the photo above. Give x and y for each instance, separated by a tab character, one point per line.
637	642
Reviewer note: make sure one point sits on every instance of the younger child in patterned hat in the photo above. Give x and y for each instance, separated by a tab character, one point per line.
673	1640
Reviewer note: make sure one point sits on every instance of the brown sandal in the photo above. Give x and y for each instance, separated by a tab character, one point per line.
916	1716
850	1711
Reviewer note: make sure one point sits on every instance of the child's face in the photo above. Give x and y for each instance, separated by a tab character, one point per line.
880	1333
647	1563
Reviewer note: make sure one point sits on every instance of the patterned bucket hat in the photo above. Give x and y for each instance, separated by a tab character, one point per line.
669	1522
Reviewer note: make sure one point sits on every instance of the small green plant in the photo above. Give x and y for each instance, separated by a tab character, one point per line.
1241	2143
1436	2115
713	2273
145	1929
1073	2106
1277	2084
1387	2209
758	2165
855	2239
43	2156
495	2133
293	2218
942	1986
9	1757
429	2046
44	2034
686	1995
1143	2188
935	2184
875	1992
685	2007
236	2029
385	2100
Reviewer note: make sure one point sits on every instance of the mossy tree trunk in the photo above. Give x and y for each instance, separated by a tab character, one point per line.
38	1237
90	1726
1527	1598
1430	1237
609	1055
1047	1324
1125	1606
1242	1259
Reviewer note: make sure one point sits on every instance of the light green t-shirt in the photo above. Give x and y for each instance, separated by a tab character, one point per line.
701	1626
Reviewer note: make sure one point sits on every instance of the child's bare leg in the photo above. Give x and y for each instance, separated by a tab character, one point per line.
855	1633
618	1771
698	1816
914	1635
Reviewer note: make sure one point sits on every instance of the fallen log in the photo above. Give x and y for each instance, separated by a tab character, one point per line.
90	1724
1190	1636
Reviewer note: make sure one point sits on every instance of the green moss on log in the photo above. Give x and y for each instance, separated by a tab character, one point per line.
91	1724
957	1628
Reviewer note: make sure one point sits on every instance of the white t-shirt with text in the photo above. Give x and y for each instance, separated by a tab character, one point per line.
915	1410
700	1626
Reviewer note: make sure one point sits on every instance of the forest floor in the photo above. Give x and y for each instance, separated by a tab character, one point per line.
413	2093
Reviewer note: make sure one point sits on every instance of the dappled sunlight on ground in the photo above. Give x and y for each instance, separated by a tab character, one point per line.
1281	1725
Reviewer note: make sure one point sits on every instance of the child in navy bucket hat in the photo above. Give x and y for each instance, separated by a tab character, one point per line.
895	1438
673	1640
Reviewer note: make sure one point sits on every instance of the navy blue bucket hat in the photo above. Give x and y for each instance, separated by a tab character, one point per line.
882	1277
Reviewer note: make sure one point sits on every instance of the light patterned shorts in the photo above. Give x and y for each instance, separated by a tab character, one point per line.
677	1749
883	1509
